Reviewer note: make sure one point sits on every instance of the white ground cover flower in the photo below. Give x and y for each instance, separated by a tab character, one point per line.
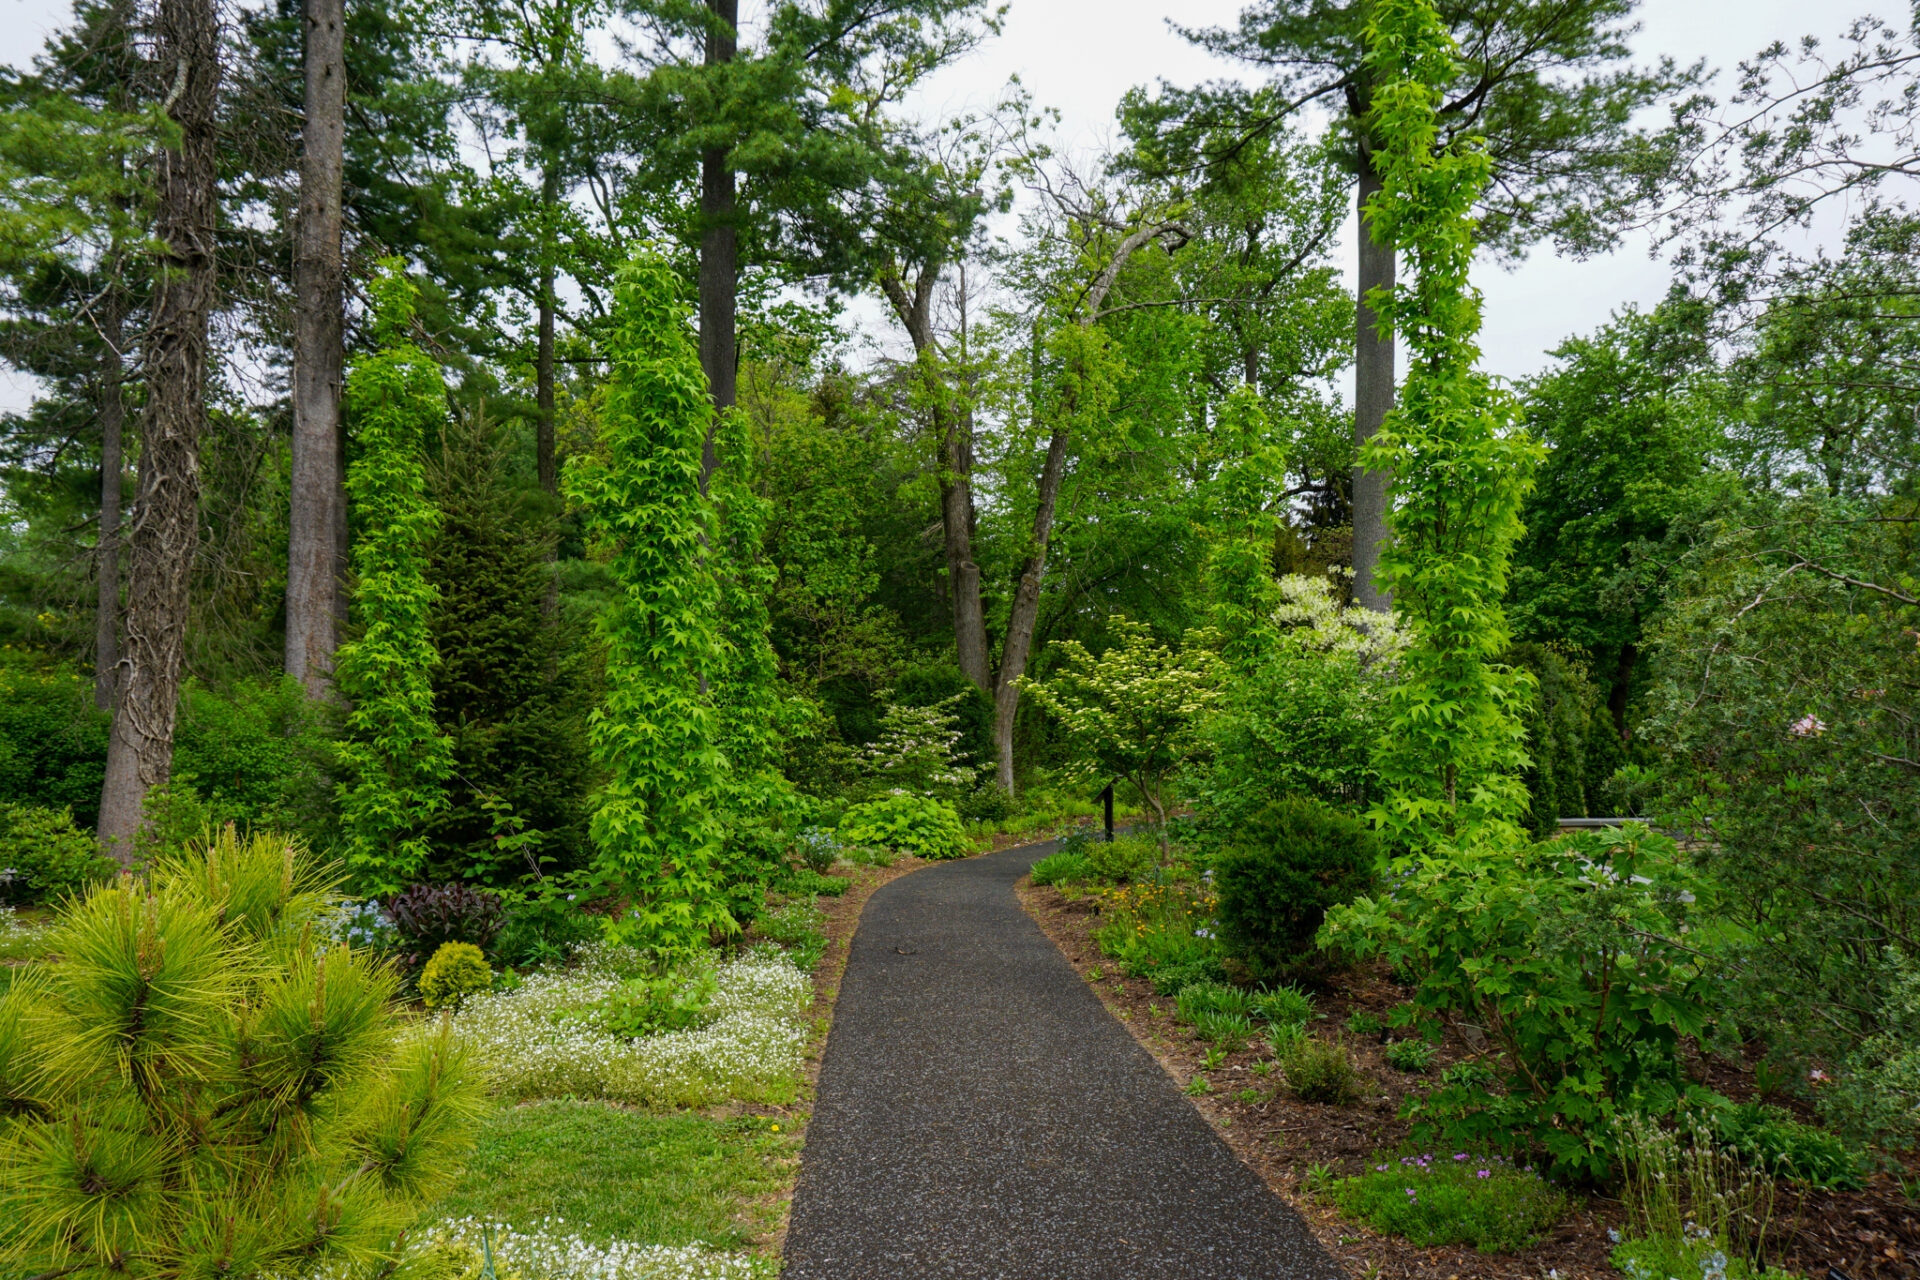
551	1252
539	1042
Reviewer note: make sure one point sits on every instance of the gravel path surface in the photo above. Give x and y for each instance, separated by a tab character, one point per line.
980	1114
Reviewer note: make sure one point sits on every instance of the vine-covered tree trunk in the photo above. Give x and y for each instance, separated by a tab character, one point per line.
719	247
113	417
318	506
1372	400
166	524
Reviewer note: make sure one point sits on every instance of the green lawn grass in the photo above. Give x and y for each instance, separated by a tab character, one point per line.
625	1175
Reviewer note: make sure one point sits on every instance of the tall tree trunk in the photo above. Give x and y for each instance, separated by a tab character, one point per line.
1620	687
166	521
1026	608
719	246
317	516
113	418
543	356
1372	398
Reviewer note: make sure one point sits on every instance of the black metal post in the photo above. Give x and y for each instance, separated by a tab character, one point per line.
1106	799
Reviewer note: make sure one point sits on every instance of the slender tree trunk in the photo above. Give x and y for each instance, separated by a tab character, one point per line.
316	530
1372	398
113	417
543	357
1026	608
719	248
166	523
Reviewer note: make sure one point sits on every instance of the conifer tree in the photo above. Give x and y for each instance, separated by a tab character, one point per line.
657	827
395	756
1454	750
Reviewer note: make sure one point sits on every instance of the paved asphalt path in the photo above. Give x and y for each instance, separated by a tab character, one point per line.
981	1114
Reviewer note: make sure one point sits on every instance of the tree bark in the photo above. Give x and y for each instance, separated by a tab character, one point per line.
166	522
719	247
1373	385
113	417
317	516
543	356
1026	608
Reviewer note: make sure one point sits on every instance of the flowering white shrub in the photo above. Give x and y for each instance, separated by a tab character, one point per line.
551	1253
540	1041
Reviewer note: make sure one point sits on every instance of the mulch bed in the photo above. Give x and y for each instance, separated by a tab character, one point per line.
1868	1235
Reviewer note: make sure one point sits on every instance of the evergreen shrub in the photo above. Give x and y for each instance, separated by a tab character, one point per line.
190	1034
452	973
44	856
1286	866
1320	1071
907	823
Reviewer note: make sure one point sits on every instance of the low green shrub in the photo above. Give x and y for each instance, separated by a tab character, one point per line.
1123	859
1161	928
1282	870
1364	1024
1411	1056
1211	997
819	850
1698	1255
1774	1141
1598	988
867	855
1171	979
1284	1005
44	856
545	925
451	974
1320	1071
907	823
646	1006
808	883
1283	1036
1431	1200
1060	868
1229	1031
800	927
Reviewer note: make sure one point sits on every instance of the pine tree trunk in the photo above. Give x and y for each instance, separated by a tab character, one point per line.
166	523
1372	398
317	517
719	250
113	418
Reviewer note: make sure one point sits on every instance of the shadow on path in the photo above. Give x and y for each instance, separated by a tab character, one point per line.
981	1114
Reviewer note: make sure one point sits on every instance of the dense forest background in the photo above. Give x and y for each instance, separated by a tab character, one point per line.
1121	368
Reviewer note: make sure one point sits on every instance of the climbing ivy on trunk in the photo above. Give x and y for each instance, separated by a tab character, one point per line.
1454	749
394	755
657	828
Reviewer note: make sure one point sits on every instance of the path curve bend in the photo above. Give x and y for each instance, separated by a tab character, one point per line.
981	1114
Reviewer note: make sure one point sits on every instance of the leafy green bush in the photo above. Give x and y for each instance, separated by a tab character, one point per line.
428	915
818	849
43	856
451	974
1320	1071
1160	931
544	925
224	1019
1171	979
1288	863
1411	1056
1288	1005
1774	1141
1597	986
808	883
906	823
53	741
1230	1031
1366	1024
1439	1200
1122	859
1060	868
650	1004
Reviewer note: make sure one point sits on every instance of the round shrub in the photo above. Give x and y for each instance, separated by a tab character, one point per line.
1320	1071
44	856
906	823
1286	866
1124	858
454	972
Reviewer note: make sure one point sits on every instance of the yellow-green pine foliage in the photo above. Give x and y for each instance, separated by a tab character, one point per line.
1454	750
394	755
1245	515
657	825
452	973
198	1086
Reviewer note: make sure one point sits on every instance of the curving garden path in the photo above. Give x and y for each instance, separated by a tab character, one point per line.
981	1114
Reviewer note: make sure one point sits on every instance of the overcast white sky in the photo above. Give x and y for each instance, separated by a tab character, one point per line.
1079	56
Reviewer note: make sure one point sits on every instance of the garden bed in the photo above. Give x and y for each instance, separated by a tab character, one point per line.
1873	1234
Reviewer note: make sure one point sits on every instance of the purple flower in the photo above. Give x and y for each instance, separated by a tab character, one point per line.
1484	1173
1460	1155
